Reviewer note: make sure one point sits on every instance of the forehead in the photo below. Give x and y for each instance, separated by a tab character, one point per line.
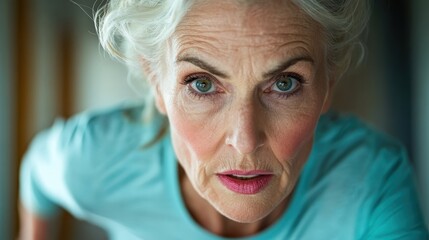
245	13
229	25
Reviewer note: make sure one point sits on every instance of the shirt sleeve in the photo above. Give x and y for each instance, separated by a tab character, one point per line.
42	174
396	213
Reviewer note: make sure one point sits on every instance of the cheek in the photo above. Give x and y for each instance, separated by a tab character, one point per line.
195	139
293	143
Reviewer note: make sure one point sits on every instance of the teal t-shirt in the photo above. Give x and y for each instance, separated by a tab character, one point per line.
357	183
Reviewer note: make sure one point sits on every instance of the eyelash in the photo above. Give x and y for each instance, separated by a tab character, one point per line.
285	95
193	77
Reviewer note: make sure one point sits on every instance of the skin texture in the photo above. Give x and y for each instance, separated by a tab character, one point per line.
244	122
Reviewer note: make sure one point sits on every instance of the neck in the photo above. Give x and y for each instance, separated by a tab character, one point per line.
211	220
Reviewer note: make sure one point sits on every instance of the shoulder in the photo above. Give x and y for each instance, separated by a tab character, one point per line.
79	159
351	156
360	177
372	176
110	142
342	136
119	125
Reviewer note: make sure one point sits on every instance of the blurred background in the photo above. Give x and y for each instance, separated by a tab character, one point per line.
51	65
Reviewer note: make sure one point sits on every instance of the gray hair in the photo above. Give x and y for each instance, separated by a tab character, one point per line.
132	30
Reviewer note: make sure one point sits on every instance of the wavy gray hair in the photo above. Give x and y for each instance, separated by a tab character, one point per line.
134	29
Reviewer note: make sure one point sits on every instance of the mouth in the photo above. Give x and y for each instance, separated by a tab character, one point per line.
245	182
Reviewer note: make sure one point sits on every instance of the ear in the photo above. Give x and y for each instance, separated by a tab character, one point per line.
159	100
148	71
153	81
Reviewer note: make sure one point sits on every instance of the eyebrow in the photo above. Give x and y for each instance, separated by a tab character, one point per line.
286	64
203	65
280	68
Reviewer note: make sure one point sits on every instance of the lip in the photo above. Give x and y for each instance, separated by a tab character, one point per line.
257	181
242	172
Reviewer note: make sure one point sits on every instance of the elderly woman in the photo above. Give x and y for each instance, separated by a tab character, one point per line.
240	144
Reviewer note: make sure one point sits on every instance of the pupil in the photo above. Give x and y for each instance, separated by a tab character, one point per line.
203	85
284	85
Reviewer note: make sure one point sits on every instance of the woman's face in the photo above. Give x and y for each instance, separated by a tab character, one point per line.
244	88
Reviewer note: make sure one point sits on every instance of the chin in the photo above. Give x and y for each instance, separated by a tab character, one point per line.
247	217
246	208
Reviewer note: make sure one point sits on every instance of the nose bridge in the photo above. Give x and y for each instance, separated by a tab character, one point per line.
246	133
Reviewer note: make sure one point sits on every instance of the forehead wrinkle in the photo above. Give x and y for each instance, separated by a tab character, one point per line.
248	13
264	16
231	30
291	26
197	47
254	43
296	47
258	73
261	31
221	34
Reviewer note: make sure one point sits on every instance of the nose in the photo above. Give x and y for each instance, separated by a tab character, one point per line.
246	132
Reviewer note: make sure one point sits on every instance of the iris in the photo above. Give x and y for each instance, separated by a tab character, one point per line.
285	83
203	85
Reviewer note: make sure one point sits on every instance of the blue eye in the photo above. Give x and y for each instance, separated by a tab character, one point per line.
286	84
203	85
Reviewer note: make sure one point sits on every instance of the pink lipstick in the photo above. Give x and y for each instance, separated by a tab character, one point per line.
245	182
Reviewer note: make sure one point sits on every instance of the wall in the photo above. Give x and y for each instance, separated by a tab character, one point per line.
6	122
100	81
420	62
